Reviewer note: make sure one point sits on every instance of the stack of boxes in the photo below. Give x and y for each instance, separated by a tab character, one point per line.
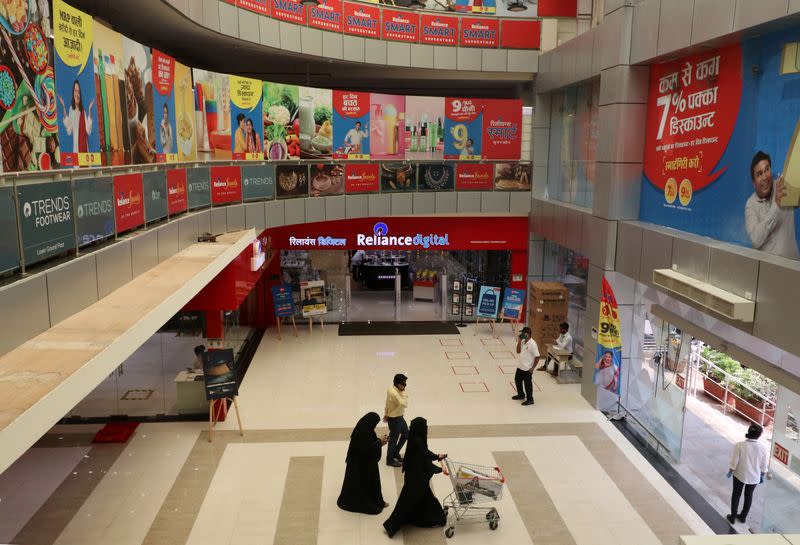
548	305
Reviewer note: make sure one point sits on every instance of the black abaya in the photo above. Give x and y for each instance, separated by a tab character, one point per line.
361	489
417	505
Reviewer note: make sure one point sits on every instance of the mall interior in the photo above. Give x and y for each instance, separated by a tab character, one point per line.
227	225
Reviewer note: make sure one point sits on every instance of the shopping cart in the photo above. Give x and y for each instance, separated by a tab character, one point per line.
472	485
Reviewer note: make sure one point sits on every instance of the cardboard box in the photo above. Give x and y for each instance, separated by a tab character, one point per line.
548	291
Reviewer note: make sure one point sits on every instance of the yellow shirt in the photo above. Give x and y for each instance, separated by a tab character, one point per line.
396	402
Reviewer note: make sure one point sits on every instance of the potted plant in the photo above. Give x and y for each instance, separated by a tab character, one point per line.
714	376
748	402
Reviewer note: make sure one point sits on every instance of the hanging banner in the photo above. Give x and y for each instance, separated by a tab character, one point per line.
155	195
479	32
258	6
75	90
326	179
9	245
46	220
198	187
312	296
502	129
515	34
513	176
128	202
219	374
558	8
281	123
436	177
291	11
213	115
246	119
226	184
142	124
474	176
351	125
607	368
94	209
400	26
282	301
438	29
315	116
362	178
292	180
326	15
362	20
423	137
387	126
398	177
177	201
463	128
164	106
513	301
488	302
258	182
110	85
184	113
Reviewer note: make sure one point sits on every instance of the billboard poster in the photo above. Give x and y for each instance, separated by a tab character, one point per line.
74	89
326	15
184	113
513	176
257	6
474	176
463	128
258	182
247	135
398	177
488	7
212	104
436	177
282	301
315	123
94	209
351	125
177	200
312	295
387	126
46	220
164	107
137	61
128	202
292	181
502	129
518	8
109	83
479	32
281	123
520	34
423	134
608	366
326	179
291	11
488	302
9	245
219	374
400	26
513	300
155	195
362	20
438	29
226	184
198	187
362	178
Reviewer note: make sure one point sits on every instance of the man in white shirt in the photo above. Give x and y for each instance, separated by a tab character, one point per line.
354	137
749	465
355	263
770	227
562	342
528	358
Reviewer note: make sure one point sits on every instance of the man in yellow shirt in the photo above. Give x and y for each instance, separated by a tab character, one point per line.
396	404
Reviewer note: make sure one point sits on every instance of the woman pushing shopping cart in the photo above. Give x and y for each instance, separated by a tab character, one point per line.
473	486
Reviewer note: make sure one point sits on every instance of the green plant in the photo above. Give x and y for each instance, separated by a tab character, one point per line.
722	361
322	114
751	382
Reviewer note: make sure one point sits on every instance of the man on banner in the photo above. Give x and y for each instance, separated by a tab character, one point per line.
609	343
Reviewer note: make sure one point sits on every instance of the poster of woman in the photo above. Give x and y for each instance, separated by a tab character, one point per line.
246	111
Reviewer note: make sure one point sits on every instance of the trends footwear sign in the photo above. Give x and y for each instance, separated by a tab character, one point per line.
94	205
258	182
155	195
47	220
198	187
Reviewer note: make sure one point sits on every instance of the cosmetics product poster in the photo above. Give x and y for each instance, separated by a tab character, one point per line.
463	128
423	133
398	177
139	101
326	179
164	107
75	91
315	116
387	126
109	82
436	177
247	112
184	113
281	123
212	93
351	125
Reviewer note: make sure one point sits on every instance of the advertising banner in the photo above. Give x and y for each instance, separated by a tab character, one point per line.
258	6
520	34
312	295
502	129
109	82
513	301
75	91
46	221
94	209
423	135
326	179
463	128
609	343
400	26
291	11
557	8
398	177
438	29
292	181
219	374
246	117
177	200
362	20
163	78
198	187
488	302
142	125
226	184
471	6
282	301
436	177
326	15
155	195
258	182
513	176
9	245
128	202
281	123
351	125
517	8
315	116
184	113
474	176
386	125
479	32
362	178
213	114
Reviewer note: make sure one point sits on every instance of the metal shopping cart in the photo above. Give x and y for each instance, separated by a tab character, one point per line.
472	485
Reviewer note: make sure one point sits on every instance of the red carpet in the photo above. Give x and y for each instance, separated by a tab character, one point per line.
115	432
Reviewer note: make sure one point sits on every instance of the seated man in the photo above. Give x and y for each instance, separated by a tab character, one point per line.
563	343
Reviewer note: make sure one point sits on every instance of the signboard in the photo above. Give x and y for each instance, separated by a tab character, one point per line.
155	195
436	177
513	301
184	113
9	246
163	78
94	209
362	178
438	29
474	176
291	11
513	176
258	6
247	137
326	179
362	20
219	374
312	298
326	15
351	125
502	129
515	34
177	200
46	220
198	187
488	302
471	6
387	126
424	128
292	181
226	184
400	26
128	202
258	182
558	8
608	366
479	32
282	301
463	128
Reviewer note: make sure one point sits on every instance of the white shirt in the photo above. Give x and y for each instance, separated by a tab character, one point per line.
770	227
72	124
749	461
358	257
529	351
354	137
564	342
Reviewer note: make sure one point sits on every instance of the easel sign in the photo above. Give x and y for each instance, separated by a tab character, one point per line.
283	304
488	305
513	300
313	304
219	374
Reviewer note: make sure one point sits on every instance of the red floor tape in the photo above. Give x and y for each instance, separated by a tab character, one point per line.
115	432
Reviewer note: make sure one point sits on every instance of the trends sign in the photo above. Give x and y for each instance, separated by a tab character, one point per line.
47	220
380	237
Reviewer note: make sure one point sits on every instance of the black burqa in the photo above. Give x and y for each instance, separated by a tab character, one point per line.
361	489
417	505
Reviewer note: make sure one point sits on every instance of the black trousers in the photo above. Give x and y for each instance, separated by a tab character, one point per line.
524	379
737	493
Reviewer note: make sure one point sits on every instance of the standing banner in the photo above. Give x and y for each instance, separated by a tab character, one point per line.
46	221
94	209
258	182
607	368
387	126
400	26
502	129
281	123
9	244
128	202
226	184
436	177
463	128
326	179
315	116
75	90
247	134
479	32
326	15
109	81
362	20
488	302
164	107
312	296
520	34
184	113
438	29
177	201
219	374
142	125
474	176
351	125
257	6
198	187
362	178
513	301
513	176
155	195
423	134
282	301
291	11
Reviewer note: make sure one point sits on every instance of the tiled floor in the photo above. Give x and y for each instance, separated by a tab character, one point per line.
572	479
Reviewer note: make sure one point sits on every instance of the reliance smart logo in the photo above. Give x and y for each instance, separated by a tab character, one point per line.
380	237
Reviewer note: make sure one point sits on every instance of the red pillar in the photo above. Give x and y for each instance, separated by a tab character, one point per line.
215	328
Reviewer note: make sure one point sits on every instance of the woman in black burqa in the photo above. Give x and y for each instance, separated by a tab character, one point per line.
417	505
361	489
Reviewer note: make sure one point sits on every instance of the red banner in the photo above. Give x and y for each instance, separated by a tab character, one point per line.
362	20
177	201
163	72
479	32
438	29
400	26
259	6
520	34
326	15
557	8
128	202
475	176
291	11
226	185
502	129
361	178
